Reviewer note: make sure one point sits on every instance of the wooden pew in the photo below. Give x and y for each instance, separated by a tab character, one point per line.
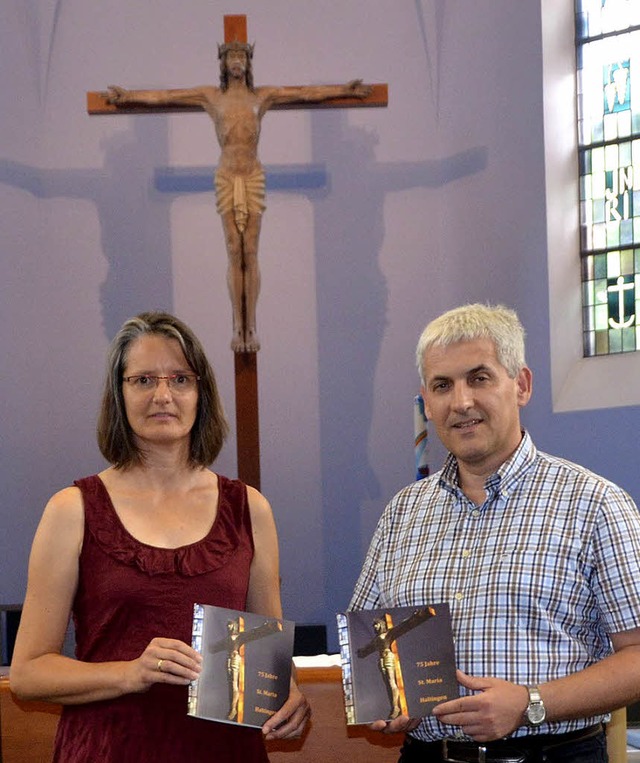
27	729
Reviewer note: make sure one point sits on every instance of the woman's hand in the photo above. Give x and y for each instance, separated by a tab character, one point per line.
290	720
165	660
401	724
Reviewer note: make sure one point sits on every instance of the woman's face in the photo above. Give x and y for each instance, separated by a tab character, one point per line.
163	412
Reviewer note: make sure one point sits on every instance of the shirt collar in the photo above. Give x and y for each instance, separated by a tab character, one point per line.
504	478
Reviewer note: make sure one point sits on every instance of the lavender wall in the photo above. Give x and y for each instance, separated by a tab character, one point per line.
377	220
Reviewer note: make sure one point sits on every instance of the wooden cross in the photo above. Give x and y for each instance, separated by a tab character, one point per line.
246	363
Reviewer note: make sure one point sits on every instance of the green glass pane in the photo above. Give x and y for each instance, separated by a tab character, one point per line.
602	342
601	316
615	340
613	234
600	266
627	262
629	339
598	211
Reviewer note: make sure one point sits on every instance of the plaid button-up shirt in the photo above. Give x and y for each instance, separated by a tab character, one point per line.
536	577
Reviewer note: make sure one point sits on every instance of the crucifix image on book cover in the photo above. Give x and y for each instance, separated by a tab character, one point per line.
246	666
396	661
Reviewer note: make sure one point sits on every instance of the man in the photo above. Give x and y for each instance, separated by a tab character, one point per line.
538	558
237	108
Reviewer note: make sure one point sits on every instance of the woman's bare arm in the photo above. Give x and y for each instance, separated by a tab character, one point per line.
38	669
264	598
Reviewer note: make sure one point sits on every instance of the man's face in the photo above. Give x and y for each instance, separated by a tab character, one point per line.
474	404
236	61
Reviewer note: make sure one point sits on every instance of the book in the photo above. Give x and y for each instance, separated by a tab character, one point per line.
246	665
396	661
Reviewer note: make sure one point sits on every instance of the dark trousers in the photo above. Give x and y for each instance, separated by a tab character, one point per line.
590	750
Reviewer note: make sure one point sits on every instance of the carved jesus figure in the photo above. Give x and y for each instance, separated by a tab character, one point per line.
237	108
233	643
387	662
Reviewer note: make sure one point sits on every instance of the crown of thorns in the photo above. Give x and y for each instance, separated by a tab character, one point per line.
227	46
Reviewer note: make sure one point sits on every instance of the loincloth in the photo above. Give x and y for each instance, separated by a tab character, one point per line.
241	194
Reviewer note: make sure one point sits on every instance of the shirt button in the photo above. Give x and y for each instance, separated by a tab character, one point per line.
458	596
466	553
475	513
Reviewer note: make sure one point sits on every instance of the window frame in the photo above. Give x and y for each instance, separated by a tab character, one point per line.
577	383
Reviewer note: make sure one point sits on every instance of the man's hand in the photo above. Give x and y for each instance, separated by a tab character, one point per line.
494	713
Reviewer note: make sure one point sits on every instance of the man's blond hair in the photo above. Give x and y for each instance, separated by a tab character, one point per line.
475	321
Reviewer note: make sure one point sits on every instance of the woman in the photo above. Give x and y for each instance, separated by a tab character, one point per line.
130	550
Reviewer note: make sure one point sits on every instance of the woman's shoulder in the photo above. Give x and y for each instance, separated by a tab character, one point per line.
69	499
259	506
64	511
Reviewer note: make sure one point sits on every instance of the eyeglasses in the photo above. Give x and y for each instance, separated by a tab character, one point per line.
178	383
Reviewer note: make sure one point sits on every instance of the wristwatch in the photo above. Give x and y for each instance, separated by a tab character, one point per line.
535	712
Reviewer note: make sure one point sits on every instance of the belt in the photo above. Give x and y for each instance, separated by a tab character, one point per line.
514	750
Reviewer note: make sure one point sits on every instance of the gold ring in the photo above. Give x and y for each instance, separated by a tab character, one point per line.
160	665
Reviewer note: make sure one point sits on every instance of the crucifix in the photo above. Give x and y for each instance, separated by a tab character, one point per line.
236	109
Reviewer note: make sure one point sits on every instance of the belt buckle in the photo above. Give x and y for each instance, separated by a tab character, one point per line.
482	754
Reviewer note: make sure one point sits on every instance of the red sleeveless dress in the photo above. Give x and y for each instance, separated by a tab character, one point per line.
129	593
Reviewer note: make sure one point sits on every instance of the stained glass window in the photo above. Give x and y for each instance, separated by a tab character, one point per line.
608	88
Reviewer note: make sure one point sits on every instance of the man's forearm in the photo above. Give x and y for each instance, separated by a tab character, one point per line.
611	683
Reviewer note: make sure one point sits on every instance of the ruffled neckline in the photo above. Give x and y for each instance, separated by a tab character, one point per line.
205	555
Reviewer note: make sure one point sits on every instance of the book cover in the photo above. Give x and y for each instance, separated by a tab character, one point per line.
246	665
396	661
